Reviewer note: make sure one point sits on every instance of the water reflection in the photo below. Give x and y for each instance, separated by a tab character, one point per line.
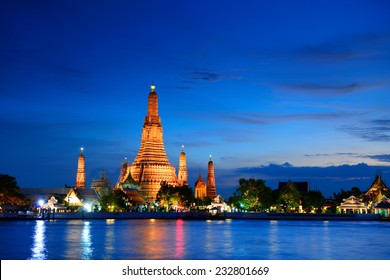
109	244
86	241
273	239
78	239
179	244
38	250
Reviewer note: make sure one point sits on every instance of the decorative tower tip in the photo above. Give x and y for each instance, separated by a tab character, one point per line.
152	87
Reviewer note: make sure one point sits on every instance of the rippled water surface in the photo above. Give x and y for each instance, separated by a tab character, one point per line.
178	239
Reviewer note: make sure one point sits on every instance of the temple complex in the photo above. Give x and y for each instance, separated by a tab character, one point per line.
151	166
80	175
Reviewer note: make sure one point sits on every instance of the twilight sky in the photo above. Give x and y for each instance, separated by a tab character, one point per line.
275	90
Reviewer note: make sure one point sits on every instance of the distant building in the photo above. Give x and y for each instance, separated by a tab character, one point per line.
101	185
302	187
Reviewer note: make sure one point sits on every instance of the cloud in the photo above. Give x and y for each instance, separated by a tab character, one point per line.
267	119
332	154
205	76
381	158
328	53
373	130
330	89
347	48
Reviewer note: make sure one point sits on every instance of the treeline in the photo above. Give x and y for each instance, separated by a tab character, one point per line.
254	195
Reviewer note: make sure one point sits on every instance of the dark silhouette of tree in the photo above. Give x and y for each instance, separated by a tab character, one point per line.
313	200
10	191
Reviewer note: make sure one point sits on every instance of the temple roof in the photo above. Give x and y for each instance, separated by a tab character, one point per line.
135	196
86	194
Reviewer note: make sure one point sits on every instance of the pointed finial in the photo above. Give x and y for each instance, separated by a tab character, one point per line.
182	148
81	149
210	157
152	87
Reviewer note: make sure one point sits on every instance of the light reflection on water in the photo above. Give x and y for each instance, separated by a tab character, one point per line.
38	250
178	239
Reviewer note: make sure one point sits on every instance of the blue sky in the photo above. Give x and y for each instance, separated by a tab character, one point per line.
255	84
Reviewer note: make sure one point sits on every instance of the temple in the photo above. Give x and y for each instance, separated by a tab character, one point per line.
151	166
80	175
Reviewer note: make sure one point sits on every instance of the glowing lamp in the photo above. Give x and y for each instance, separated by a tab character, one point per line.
87	207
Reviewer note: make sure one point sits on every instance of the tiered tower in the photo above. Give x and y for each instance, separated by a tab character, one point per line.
182	175
80	175
211	189
151	166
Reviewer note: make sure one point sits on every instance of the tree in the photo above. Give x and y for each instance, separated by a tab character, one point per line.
289	196
10	191
251	195
115	200
313	200
169	196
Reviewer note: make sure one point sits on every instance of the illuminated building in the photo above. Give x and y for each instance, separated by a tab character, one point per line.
200	188
80	176
377	190
211	188
182	177
352	205
151	166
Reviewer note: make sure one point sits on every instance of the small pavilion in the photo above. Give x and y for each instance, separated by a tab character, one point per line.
353	205
383	207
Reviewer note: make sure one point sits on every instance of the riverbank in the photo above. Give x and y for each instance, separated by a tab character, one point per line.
192	216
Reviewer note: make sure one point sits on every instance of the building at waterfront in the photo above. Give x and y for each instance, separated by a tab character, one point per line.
353	205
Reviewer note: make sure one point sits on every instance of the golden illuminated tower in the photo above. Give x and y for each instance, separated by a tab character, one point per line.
211	189
182	178
80	176
151	166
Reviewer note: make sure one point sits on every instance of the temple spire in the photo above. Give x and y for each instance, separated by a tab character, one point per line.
80	175
182	175
211	188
